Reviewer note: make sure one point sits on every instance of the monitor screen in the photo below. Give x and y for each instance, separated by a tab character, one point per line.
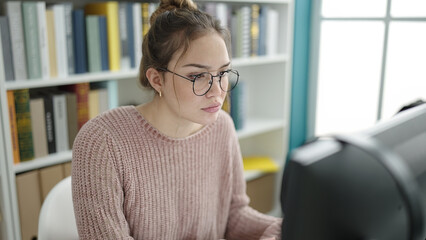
364	185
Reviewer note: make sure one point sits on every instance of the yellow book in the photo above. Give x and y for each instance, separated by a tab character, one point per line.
13	127
110	10
50	26
145	18
260	163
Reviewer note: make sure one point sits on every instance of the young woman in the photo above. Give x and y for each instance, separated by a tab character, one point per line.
170	168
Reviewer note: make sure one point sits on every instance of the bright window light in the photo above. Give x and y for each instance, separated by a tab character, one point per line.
354	8
408	8
405	77
350	60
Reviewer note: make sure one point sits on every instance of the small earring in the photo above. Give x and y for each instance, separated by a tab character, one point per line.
159	93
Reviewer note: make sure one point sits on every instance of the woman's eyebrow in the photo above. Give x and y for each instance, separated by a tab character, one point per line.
204	66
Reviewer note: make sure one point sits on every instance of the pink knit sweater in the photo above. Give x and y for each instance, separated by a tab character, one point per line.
132	182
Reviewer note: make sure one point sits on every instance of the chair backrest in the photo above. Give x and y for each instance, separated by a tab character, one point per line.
57	220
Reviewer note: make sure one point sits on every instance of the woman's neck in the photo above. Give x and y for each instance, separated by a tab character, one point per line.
160	117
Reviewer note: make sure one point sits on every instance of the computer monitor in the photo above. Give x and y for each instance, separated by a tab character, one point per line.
365	185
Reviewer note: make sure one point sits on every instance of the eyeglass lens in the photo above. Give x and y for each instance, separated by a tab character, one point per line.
203	82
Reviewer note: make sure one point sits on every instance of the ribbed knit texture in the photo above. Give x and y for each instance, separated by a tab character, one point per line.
130	181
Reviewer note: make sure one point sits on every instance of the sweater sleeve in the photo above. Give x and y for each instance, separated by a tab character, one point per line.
96	187
245	222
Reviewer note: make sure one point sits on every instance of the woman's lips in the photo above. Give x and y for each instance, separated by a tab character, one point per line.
212	109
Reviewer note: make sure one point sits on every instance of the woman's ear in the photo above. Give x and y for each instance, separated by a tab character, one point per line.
155	78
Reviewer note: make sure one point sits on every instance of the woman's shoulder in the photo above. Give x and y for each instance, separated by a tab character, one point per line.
112	120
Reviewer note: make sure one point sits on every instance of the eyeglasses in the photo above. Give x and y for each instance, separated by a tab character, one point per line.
202	82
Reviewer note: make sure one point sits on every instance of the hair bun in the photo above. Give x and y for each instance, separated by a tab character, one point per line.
169	5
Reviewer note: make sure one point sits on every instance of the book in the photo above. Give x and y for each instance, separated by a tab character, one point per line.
103	100
72	119
31	35
6	49
23	123
137	30
110	10
49	122
262	30
43	41
13	126
124	35
130	34
103	37
93	103
29	202
145	18
93	43
49	177
272	30
60	39
239	105
80	50
60	119
16	27
38	125
51	39
254	29
69	37
243	31
260	163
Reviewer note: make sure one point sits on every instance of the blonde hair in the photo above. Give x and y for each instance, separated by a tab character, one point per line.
174	25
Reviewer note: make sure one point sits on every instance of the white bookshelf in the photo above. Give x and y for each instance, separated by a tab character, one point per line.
268	79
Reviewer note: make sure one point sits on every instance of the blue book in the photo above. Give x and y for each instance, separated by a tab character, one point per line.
262	30
104	43
130	34
80	48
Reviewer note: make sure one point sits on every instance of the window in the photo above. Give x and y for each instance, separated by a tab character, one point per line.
371	61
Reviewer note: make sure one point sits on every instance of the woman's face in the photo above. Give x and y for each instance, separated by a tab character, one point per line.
205	54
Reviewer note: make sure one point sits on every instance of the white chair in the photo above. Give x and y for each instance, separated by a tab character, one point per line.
57	220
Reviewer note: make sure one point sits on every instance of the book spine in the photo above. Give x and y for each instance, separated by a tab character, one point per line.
72	119
262	30
238	105
245	31
130	34
61	122
49	123
13	126
254	30
6	46
103	38
124	38
60	40
137	30
30	19
43	42
16	27
93	103
69	37
50	18
145	18
272	32
23	123
38	124
80	52
93	43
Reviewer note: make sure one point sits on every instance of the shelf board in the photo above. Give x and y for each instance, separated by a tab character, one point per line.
51	159
72	79
259	60
258	126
